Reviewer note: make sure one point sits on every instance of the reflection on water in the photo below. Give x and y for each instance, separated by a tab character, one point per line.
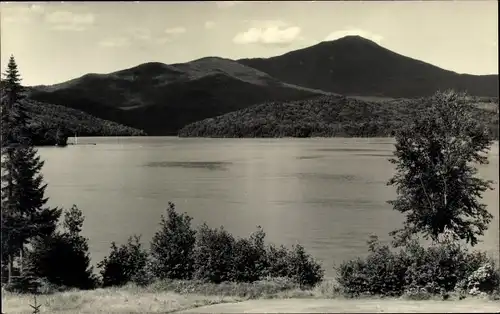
310	157
333	177
347	149
211	165
329	203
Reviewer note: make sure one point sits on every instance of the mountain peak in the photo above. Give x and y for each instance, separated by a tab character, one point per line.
352	39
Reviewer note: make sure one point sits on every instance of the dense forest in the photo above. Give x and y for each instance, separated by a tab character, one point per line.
51	124
324	116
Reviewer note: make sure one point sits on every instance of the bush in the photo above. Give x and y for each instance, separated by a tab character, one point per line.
172	247
302	268
249	258
295	264
415	270
124	264
63	258
486	278
214	255
277	261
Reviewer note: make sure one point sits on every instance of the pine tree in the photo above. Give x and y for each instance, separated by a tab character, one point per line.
24	211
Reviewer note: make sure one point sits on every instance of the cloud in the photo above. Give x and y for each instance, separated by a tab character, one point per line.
226	4
141	33
209	24
37	8
21	13
115	42
354	31
69	21
269	33
175	30
170	35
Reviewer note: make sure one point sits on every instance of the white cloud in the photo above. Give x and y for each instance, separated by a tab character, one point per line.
141	33
37	8
19	13
175	30
209	24
115	42
65	20
354	31
170	35
226	4
269	33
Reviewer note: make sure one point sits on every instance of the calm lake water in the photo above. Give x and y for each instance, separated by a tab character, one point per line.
327	194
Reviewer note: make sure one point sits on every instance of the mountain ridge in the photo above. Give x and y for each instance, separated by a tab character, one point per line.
162	98
341	66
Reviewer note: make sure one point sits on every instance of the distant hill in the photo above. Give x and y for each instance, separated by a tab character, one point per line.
357	66
161	99
325	116
48	119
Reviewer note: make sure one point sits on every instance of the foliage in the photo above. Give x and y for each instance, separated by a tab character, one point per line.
220	257
435	157
45	119
302	268
62	258
326	116
124	264
210	255
214	255
486	278
414	270
172	246
24	211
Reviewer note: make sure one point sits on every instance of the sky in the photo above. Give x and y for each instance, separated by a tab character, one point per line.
56	41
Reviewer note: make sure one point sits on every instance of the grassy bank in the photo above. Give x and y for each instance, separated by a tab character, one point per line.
171	296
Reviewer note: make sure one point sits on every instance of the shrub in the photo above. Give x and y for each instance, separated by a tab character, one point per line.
382	272
415	270
303	269
484	279
277	261
214	255
249	258
172	246
124	263
295	264
63	258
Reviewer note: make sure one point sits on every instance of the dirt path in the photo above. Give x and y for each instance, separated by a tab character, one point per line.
351	306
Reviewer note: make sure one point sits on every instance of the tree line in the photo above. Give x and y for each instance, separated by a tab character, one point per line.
438	192
325	116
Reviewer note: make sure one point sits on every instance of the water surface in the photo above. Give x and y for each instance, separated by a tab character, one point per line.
327	194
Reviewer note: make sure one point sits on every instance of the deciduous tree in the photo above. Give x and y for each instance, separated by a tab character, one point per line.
436	176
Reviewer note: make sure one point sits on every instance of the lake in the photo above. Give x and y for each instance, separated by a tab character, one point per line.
327	194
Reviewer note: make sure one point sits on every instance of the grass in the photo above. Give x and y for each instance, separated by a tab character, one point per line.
172	296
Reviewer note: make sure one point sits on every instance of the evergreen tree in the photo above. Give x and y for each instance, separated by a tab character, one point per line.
62	258
24	211
436	158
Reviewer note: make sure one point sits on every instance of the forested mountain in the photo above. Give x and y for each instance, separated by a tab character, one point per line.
48	122
160	98
357	66
324	116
